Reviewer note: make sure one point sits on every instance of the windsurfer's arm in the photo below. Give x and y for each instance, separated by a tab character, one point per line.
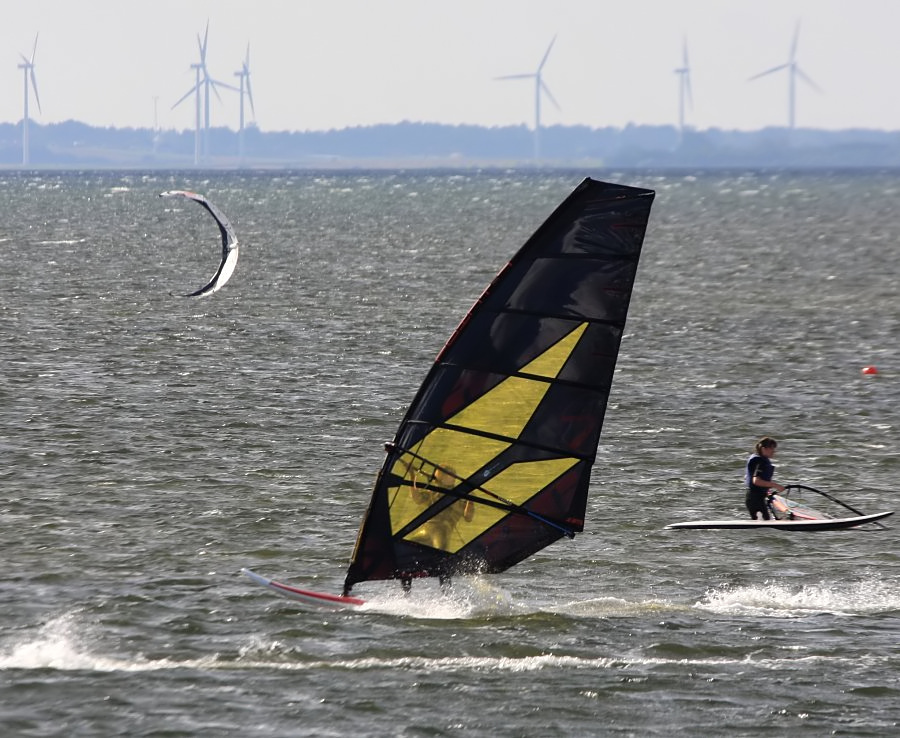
768	484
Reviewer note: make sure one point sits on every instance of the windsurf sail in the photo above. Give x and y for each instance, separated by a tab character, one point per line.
786	508
783	507
493	459
230	246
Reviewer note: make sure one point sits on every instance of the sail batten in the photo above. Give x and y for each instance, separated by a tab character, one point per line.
493	459
508	440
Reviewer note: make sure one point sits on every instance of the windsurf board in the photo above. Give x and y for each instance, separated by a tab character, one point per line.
796	525
318	599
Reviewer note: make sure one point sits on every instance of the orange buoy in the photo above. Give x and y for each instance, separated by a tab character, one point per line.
870	370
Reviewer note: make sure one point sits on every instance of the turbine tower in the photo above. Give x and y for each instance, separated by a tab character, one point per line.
203	83
684	87
244	76
794	71
27	67
539	88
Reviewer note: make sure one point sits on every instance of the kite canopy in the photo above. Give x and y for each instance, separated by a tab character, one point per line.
230	246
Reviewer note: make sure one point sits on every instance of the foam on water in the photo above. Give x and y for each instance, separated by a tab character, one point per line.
64	643
468	597
776	599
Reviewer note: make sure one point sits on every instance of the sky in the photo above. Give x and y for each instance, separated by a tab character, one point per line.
319	65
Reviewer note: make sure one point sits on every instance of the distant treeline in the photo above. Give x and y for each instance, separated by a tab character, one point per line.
74	144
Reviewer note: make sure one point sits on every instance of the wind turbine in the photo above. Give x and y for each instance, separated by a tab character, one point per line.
794	71
244	75
684	86
539	88
27	67
204	84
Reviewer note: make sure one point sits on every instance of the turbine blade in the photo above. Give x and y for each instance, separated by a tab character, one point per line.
34	87
769	71
687	88
684	69
794	42
517	76
185	96
802	75
250	97
34	50
218	83
546	54
546	91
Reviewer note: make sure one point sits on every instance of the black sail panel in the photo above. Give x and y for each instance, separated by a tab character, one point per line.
493	459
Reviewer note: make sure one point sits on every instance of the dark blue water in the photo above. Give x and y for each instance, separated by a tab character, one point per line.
153	445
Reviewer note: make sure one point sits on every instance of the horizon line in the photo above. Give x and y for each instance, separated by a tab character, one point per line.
250	126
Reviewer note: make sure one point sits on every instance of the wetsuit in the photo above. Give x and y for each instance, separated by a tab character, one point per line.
758	466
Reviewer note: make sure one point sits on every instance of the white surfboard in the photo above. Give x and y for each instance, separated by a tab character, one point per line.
794	525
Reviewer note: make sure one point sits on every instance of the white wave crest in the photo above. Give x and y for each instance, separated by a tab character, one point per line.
777	599
65	643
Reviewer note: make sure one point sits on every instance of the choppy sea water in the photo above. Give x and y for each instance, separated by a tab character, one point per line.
153	445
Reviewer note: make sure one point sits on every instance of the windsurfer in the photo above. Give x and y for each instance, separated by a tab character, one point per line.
758	478
437	532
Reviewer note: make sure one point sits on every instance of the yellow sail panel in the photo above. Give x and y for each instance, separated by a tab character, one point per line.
549	363
446	530
423	481
520	482
507	408
465	520
503	410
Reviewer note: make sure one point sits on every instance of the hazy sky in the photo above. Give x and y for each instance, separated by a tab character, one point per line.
323	64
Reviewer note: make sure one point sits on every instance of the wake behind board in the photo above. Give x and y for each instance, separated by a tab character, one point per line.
794	525
318	599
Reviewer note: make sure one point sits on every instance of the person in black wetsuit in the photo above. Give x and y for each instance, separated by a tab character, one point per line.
758	477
